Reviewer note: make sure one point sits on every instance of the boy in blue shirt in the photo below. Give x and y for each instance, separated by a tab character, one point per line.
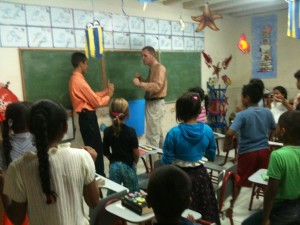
253	125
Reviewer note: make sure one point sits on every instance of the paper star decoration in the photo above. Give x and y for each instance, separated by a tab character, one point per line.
207	19
217	69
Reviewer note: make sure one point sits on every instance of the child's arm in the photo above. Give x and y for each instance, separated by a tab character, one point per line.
269	197
91	194
136	155
106	149
15	211
210	152
228	140
91	151
284	102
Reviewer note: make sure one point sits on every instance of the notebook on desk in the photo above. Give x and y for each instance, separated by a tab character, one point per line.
265	176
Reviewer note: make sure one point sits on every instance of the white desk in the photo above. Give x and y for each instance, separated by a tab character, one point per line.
144	153
111	185
117	209
257	178
258	185
275	145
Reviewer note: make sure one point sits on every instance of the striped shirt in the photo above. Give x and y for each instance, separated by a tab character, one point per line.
202	116
20	143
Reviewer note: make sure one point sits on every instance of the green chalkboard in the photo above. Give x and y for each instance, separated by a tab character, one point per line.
183	71
46	74
121	68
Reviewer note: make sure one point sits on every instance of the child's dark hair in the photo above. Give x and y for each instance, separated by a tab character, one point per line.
47	122
16	118
297	75
259	82
253	91
282	90
290	120
188	106
169	190
77	58
118	112
202	95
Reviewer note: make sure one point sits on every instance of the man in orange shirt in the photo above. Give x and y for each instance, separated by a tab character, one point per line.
85	101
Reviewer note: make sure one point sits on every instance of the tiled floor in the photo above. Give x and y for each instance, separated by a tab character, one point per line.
240	211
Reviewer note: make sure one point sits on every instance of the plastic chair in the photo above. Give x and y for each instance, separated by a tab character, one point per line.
205	222
228	188
234	147
99	215
6	220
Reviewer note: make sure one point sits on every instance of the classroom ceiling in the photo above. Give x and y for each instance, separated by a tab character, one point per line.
235	8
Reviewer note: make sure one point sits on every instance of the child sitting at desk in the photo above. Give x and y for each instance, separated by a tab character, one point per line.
253	125
282	195
169	194
50	184
122	140
185	145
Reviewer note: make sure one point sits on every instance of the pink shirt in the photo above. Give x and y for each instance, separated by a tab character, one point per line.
202	116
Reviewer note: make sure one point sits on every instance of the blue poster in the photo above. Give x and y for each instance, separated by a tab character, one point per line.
264	46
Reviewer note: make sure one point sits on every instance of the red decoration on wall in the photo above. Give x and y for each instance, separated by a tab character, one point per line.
243	44
6	97
207	58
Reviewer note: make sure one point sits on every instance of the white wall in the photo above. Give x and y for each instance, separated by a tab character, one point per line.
240	70
218	44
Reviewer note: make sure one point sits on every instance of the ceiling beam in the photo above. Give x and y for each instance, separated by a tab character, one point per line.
239	3
252	7
260	11
197	3
169	2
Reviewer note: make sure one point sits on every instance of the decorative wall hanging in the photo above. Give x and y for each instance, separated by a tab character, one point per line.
207	19
293	19
94	40
264	41
243	44
226	62
207	58
6	97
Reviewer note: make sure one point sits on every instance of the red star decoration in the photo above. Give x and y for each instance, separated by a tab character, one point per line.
217	69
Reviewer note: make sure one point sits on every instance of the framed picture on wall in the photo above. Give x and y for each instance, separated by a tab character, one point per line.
70	135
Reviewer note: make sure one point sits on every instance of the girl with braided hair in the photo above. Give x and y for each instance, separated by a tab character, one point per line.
49	184
120	146
16	139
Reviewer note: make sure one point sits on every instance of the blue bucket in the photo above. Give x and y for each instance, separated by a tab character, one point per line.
136	118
